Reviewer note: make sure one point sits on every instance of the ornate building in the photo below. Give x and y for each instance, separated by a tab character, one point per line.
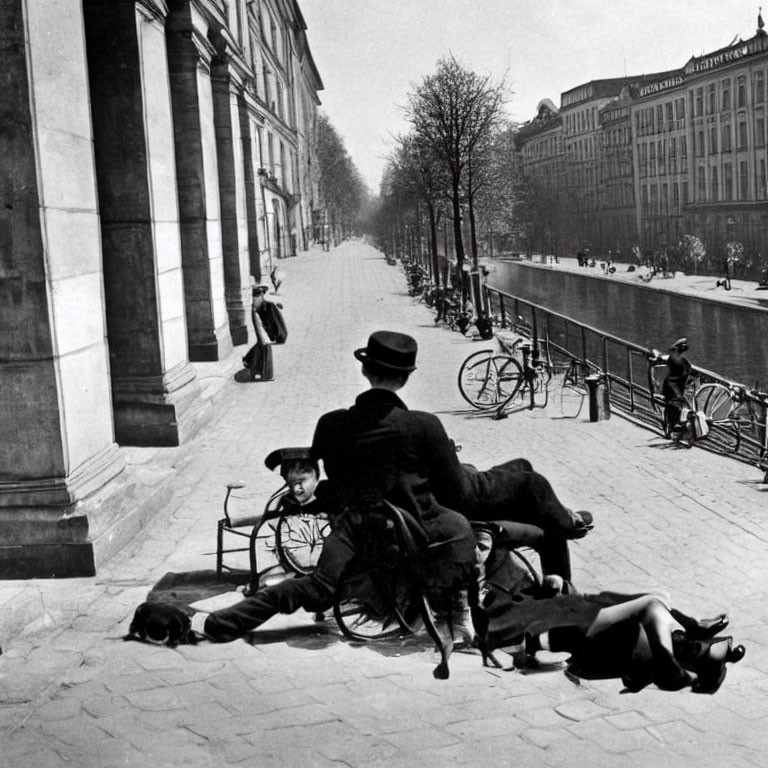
650	158
156	158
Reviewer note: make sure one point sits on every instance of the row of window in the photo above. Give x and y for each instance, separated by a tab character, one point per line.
712	186
710	189
725	95
583	120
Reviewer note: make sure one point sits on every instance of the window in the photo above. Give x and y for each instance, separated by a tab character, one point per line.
725	94
662	163
700	144
684	195
759	88
713	140
715	185
699	102
652	158
743	181
680	108
726	138
762	181
741	91
701	184
664	199
683	147
759	131
711	99
727	181
742	134
669	112
675	198
659	116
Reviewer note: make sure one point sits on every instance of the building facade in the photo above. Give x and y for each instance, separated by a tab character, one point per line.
153	160
678	152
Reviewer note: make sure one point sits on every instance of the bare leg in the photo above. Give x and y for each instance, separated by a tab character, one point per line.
657	625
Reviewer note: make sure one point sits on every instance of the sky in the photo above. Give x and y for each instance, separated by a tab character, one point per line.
372	53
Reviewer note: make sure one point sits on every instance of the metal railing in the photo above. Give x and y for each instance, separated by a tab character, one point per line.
625	368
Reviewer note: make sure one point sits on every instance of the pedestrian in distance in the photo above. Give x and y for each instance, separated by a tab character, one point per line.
258	359
675	382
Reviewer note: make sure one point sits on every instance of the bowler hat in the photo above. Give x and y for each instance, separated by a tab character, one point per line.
282	456
391	350
681	343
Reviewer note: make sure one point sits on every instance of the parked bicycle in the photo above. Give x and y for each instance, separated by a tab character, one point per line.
707	410
520	374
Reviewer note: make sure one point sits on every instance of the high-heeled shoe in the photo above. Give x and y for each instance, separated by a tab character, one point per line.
690	652
711	668
701	629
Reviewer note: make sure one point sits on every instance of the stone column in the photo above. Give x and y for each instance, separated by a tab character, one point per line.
227	84
155	391
56	438
251	164
189	59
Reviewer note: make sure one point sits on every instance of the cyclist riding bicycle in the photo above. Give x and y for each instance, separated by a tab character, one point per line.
675	382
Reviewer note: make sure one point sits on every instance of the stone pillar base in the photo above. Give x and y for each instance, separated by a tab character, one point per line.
218	347
239	313
44	529
158	410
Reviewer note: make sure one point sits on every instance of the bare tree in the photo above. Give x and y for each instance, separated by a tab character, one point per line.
452	111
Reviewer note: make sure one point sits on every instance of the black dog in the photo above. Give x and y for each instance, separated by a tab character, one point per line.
162	624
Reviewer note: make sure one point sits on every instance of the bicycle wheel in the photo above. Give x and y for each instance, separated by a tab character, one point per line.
299	540
376	604
487	378
715	400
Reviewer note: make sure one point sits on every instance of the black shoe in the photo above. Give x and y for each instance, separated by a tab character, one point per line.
704	629
579	531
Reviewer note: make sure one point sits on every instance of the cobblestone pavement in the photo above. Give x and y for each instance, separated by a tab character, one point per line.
299	695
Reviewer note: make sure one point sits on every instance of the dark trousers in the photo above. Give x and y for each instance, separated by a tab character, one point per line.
316	592
512	491
312	593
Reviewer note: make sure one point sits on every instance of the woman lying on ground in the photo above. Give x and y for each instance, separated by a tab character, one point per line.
640	638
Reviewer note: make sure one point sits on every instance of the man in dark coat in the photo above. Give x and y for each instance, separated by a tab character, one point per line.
376	450
379	450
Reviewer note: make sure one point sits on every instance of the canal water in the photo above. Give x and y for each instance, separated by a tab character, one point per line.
724	338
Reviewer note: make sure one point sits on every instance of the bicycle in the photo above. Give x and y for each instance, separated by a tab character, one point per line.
293	541
708	410
385	595
497	379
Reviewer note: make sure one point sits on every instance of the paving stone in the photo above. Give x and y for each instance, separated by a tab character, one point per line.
324	701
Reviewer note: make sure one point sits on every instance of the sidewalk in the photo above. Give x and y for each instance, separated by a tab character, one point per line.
686	520
743	292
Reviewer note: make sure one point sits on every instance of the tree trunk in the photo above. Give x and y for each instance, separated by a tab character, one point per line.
433	243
